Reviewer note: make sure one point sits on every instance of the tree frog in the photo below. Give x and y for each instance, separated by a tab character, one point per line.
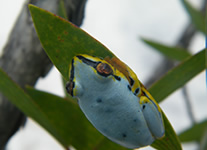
114	101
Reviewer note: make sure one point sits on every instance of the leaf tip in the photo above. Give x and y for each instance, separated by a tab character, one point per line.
31	7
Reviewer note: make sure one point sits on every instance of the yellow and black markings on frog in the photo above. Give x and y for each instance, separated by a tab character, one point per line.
114	101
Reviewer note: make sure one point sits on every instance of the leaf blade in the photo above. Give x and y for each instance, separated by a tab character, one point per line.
178	76
57	34
171	52
196	16
193	133
24	102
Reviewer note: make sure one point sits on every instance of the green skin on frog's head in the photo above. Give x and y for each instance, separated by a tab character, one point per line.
115	102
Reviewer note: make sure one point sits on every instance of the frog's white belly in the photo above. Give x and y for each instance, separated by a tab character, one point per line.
115	111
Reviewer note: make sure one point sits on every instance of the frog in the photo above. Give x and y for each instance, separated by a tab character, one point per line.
114	100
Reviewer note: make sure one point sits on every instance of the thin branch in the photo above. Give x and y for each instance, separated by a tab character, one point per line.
188	105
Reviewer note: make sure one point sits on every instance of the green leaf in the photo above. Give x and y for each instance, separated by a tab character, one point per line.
196	16
171	52
24	102
178	76
194	133
70	122
62	40
170	141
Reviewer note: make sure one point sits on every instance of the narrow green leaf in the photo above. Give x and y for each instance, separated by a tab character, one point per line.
70	122
178	76
170	141
24	102
62	40
196	16
171	52
194	133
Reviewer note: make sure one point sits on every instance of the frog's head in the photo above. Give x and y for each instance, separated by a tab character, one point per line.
89	71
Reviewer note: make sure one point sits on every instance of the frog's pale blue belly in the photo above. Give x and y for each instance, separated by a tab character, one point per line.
116	114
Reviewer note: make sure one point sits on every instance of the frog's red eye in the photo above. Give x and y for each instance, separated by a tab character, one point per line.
104	69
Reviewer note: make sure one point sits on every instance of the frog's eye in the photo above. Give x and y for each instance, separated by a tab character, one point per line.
104	69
